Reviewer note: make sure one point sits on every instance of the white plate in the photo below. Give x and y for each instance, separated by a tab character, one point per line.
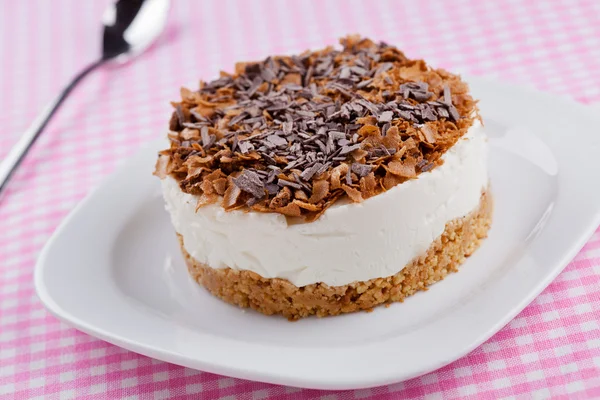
113	268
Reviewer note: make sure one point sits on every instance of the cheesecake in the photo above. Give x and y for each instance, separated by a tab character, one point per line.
327	182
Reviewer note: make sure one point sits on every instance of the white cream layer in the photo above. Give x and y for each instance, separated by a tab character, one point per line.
350	242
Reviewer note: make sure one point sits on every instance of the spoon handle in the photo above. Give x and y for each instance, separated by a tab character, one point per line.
19	150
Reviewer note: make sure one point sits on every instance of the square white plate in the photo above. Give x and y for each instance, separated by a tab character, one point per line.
113	269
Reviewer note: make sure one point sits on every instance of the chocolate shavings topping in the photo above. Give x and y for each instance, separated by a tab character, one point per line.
309	129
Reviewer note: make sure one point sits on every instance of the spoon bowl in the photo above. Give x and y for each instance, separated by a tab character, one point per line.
130	26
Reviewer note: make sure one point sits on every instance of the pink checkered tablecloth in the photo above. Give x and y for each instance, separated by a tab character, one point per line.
551	349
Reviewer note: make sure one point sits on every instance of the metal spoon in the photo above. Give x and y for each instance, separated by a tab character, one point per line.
129	28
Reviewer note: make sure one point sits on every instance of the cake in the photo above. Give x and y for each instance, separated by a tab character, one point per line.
327	182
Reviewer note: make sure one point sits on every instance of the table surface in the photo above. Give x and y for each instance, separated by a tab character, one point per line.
551	349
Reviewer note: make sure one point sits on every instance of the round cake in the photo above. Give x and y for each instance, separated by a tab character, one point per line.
327	182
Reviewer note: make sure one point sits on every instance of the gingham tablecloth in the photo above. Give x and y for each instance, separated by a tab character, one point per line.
552	349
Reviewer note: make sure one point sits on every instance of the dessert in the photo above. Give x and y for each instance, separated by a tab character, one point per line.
328	182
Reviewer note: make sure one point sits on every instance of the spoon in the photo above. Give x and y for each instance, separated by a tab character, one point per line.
130	26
